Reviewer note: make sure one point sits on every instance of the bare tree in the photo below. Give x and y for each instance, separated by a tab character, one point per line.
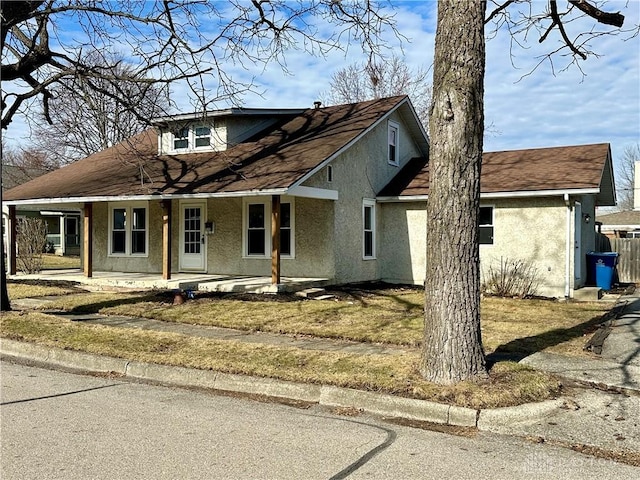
87	118
452	348
625	187
21	165
383	78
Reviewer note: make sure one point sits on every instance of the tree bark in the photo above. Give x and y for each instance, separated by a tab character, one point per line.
452	349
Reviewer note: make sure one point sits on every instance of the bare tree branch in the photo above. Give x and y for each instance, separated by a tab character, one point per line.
615	19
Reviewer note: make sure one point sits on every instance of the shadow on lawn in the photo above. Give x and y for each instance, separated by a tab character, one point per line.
521	348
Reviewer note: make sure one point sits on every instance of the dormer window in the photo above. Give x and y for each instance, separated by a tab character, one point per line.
202	136
192	137
181	139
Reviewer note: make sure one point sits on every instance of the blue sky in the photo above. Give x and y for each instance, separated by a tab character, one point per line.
599	104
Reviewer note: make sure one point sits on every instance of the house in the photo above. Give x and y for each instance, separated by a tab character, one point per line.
335	192
620	224
63	234
625	224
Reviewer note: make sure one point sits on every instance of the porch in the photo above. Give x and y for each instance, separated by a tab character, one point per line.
182	281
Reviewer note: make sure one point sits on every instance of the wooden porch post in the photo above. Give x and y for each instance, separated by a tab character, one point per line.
13	265
275	239
88	240
166	239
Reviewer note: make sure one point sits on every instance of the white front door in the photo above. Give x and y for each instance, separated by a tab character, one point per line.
193	241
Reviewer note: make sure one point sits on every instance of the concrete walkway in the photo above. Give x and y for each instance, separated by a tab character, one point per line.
598	419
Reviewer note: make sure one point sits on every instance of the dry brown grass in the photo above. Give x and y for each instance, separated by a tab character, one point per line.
509	383
36	288
393	316
511	327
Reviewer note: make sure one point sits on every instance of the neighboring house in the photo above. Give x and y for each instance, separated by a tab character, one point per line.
63	226
620	224
624	224
202	194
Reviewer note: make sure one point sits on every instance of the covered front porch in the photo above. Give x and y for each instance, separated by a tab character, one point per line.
181	281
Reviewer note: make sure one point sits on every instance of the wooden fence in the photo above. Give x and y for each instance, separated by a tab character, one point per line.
629	259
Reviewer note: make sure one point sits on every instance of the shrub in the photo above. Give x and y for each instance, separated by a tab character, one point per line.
31	240
510	278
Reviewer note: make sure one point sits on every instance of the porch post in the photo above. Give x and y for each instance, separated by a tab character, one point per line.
275	239
88	240
166	239
13	266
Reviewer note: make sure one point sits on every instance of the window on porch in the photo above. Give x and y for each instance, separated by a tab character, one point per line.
128	230
257	231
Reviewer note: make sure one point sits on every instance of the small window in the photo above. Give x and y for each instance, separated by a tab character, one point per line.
486	226
368	223
256	234
329	173
393	144
181	139
203	136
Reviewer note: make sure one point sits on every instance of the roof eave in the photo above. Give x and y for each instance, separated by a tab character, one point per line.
498	195
132	198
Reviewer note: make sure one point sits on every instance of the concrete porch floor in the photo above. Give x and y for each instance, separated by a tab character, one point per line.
183	281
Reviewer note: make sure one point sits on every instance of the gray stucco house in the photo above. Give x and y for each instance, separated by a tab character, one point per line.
328	192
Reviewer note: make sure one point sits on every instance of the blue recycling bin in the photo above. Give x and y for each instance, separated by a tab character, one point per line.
601	268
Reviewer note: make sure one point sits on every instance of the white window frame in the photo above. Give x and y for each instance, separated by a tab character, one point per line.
491	225
393	127
369	203
175	138
192	138
266	201
196	137
128	229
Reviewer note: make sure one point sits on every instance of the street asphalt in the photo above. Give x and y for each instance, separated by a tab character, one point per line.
604	416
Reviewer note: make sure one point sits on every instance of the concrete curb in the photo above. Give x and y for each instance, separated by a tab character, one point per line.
498	420
375	403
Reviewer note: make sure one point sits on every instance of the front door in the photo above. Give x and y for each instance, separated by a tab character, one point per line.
193	246
577	261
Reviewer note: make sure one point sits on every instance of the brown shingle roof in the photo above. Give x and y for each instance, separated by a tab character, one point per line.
271	160
531	170
630	217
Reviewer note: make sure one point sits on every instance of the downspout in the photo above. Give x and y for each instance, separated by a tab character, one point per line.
568	250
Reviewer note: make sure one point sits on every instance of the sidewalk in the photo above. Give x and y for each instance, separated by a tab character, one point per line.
593	418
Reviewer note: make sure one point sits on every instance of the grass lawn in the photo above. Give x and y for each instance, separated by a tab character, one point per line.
40	288
392	315
55	262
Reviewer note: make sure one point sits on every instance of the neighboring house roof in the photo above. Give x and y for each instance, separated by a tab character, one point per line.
278	158
14	175
629	218
538	171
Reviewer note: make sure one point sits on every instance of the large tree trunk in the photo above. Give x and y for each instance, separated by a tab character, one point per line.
452	349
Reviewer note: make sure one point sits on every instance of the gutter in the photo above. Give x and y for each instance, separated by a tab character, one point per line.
568	249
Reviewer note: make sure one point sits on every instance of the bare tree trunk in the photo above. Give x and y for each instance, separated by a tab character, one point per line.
452	349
